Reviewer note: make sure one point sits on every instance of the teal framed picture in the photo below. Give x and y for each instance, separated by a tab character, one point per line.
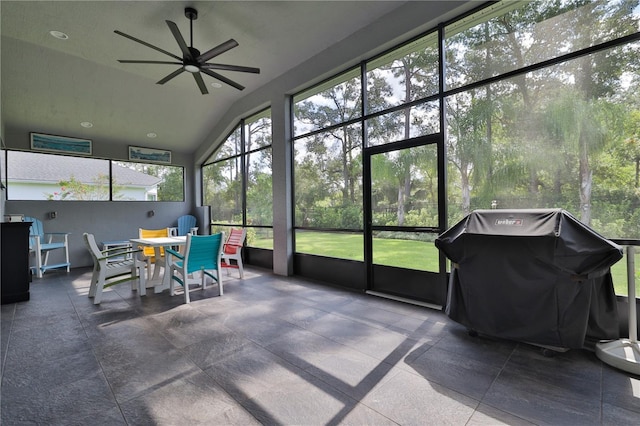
61	144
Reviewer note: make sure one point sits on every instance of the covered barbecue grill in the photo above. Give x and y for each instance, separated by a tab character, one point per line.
536	275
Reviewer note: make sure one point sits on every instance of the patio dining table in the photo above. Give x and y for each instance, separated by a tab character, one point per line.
159	283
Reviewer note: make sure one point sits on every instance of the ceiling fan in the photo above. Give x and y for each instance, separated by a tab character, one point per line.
192	60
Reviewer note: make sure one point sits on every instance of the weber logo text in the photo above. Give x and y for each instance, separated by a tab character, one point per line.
509	222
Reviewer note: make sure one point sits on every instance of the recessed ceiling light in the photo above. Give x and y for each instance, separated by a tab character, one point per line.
216	85
86	124
59	35
151	135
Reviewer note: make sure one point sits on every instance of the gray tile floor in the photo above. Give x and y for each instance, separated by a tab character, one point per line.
276	350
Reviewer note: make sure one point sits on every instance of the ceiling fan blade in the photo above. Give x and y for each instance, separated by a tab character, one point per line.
170	76
227	45
222	78
230	68
128	61
147	44
200	82
183	45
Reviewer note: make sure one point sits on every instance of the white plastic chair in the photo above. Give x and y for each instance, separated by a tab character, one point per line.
232	250
105	268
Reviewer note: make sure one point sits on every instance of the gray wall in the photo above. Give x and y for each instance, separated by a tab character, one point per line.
108	220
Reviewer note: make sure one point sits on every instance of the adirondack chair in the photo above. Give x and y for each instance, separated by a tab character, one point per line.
117	262
187	224
42	243
202	257
232	250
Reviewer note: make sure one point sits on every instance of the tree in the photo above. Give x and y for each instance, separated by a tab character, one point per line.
507	133
328	169
172	186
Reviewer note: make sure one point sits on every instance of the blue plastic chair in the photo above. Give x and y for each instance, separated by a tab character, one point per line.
186	225
42	243
202	255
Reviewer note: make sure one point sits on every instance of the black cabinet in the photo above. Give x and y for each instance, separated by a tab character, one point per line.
15	262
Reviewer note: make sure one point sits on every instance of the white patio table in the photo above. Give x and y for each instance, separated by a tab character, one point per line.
160	283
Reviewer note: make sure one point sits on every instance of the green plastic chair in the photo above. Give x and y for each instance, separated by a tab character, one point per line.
201	258
42	243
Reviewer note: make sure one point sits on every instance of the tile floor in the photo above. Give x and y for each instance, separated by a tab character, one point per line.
281	351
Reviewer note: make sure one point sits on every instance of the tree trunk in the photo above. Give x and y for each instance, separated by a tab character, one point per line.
586	179
466	191
404	183
400	209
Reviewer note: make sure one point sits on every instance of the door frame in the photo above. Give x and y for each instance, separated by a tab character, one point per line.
410	279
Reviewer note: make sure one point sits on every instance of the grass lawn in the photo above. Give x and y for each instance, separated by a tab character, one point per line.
408	254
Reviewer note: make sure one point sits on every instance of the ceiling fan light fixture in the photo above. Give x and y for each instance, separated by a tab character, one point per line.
191	68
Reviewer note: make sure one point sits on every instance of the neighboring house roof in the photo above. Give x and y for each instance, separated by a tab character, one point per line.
29	166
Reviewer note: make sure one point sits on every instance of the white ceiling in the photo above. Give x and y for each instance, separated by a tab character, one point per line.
51	86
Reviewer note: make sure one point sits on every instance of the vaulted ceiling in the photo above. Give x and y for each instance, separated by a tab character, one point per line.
51	85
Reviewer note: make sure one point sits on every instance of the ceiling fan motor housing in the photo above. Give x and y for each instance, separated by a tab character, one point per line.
191	13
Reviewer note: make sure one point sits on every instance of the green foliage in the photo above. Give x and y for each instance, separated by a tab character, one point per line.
172	186
338	217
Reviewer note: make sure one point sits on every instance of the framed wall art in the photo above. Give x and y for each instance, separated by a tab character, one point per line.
61	144
137	153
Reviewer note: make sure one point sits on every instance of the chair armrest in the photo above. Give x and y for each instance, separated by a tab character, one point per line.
174	253
119	249
58	236
116	253
234	248
232	245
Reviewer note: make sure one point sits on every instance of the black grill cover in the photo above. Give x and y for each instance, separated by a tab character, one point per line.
537	275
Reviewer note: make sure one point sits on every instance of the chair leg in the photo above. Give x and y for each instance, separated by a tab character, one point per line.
66	253
99	287
172	282
45	262
38	264
186	291
94	283
240	269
